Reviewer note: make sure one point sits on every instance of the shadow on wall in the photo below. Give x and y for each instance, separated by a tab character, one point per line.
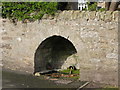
52	53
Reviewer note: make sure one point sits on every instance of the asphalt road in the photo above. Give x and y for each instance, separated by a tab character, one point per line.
17	81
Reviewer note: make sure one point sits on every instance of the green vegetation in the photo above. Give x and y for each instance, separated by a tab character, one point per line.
68	70
108	89
93	7
28	10
102	9
35	10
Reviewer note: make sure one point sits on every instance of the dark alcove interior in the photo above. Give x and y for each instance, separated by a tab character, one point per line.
52	53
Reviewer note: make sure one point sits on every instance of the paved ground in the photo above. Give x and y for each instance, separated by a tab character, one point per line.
19	81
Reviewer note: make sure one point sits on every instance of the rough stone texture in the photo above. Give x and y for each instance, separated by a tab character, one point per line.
94	35
72	60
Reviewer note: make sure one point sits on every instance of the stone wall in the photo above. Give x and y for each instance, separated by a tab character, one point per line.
94	35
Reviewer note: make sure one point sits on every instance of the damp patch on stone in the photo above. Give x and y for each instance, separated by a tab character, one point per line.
63	81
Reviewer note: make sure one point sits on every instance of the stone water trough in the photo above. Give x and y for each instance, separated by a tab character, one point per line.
59	73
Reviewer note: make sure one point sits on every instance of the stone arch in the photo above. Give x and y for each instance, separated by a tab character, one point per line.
52	52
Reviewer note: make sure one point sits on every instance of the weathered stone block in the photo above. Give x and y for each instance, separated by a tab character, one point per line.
115	15
102	15
6	46
108	16
92	15
75	14
7	38
45	16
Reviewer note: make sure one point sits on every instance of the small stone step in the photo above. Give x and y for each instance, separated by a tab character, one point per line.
48	72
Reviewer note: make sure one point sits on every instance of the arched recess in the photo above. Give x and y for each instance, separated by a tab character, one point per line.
52	52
